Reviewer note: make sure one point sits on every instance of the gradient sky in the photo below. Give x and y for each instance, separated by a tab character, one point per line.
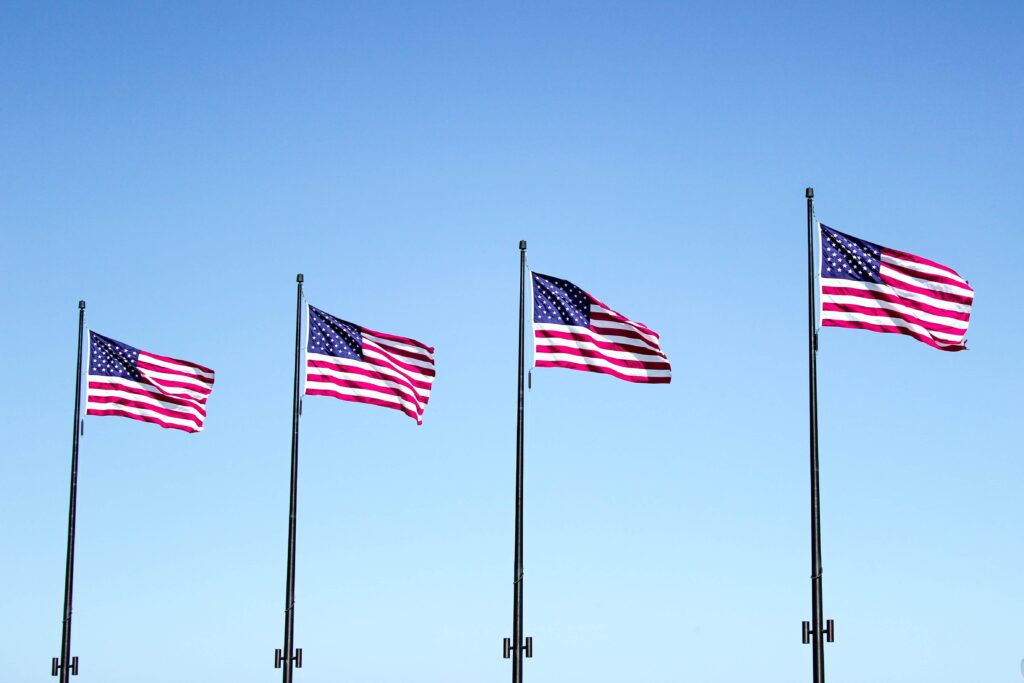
176	164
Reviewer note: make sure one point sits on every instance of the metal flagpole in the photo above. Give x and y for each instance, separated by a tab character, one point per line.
814	632
287	657
66	665
516	646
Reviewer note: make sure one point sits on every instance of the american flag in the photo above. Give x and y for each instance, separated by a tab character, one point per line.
870	287
353	363
574	330
143	386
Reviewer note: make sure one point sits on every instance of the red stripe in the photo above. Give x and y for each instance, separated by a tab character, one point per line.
393	362
141	391
611	316
177	360
587	353
889	313
596	341
396	338
896	253
355	384
942	296
141	418
895	330
643	379
167	384
400	352
142	405
892	298
365	399
173	371
617	332
931	277
358	367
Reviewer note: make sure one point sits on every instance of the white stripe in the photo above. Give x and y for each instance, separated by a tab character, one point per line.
597	362
175	366
876	303
920	267
372	349
618	325
902	293
926	284
148	413
893	322
583	331
632	341
148	400
590	346
154	393
369	367
197	392
411	348
368	393
387	384
593	334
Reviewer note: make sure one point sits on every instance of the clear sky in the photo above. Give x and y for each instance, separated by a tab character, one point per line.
177	164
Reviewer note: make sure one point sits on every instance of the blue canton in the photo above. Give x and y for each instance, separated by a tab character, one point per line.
559	302
333	336
849	258
111	358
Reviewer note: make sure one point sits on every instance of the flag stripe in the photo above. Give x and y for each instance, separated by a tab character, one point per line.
105	386
145	416
358	371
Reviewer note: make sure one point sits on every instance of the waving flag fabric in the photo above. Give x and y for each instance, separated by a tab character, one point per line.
574	330
130	383
870	287
353	363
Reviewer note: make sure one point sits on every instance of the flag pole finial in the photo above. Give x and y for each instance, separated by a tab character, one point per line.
522	244
809	193
81	304
299	278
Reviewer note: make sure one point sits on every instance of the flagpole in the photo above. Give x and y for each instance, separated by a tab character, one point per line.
814	632
516	646
287	657
66	665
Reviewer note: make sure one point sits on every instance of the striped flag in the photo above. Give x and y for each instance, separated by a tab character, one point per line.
143	386
869	287
353	363
574	330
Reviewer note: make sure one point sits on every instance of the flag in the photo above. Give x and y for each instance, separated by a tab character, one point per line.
353	363
574	330
143	386
869	287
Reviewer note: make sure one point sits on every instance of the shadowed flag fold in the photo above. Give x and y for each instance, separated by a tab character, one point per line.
139	385
574	330
353	363
869	287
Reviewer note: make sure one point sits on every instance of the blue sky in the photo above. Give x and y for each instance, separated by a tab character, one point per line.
177	164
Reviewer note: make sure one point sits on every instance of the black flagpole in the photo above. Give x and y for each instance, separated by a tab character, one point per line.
516	646
66	665
287	657
814	632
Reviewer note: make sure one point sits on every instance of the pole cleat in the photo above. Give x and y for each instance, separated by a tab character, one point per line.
55	666
279	658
